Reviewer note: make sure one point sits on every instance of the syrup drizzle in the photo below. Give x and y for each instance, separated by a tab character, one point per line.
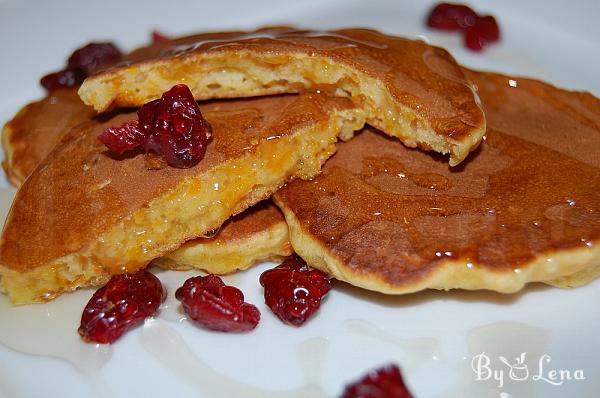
21	332
501	339
285	35
416	351
163	343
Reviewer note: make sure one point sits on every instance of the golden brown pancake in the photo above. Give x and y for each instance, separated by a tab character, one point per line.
525	207
85	214
36	128
256	235
408	88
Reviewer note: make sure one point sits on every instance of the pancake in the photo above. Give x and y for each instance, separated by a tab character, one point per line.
525	207
36	128
409	89
258	234
87	214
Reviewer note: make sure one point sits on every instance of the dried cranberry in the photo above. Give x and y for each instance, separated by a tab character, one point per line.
124	302
451	17
478	31
123	138
81	64
158	37
488	28
293	291
68	77
214	305
94	55
384	382
180	127
172	126
484	31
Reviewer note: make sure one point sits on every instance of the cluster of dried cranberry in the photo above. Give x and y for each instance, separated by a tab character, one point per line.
82	63
86	60
171	126
292	291
478	30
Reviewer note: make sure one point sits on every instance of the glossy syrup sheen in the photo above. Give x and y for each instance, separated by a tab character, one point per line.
424	78
533	187
81	190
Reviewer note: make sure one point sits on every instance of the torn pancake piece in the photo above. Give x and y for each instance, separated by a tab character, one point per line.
87	214
256	235
524	208
408	89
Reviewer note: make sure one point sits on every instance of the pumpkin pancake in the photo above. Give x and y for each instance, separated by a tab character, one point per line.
36	128
525	207
256	235
88	214
408	89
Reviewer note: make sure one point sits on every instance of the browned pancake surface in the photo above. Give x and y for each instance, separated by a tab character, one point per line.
33	132
420	77
530	191
80	191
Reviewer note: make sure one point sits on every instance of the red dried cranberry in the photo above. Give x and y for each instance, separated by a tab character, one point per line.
293	291
68	77
81	64
124	302
94	55
123	138
158	37
488	28
451	17
214	305
478	31
172	126
484	31
180	127
473	40
384	382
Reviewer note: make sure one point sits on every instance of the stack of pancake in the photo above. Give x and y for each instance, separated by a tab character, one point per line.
425	196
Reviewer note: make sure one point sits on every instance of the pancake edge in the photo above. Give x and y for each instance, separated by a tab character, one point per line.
236	255
562	268
14	176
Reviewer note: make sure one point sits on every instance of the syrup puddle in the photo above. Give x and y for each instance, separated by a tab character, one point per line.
168	347
500	342
39	330
416	351
171	310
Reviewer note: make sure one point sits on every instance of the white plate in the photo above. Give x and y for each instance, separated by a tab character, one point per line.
433	336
